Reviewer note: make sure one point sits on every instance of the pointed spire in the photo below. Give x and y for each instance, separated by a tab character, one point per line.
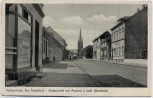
80	46
80	38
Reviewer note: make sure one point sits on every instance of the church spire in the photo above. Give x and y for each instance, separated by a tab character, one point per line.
80	46
80	37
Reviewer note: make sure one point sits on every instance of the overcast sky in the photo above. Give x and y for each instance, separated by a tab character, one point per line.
93	19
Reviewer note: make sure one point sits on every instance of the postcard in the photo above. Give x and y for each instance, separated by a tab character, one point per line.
76	48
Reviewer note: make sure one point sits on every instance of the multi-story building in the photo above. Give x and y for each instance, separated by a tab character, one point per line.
102	46
95	49
23	43
53	46
80	46
129	37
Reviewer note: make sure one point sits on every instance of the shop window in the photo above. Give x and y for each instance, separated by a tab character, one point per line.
24	43
17	40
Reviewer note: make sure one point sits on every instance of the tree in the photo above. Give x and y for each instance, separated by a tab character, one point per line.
88	51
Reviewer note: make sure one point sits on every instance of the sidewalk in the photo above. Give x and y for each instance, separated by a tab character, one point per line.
62	74
121	63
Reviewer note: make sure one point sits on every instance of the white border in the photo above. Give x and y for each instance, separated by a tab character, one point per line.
111	91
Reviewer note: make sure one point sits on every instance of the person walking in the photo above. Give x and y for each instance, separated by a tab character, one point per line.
53	59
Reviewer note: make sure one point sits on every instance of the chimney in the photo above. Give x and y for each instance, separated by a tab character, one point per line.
143	6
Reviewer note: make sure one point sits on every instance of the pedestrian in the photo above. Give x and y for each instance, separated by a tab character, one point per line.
53	59
72	58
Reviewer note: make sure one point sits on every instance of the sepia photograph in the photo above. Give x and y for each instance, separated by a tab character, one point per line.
76	45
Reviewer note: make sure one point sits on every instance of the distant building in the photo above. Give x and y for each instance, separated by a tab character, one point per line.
53	46
72	54
102	46
129	37
80	46
23	45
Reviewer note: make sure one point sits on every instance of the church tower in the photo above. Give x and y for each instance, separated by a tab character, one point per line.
80	46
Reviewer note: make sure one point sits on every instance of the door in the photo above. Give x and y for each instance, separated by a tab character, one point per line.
36	44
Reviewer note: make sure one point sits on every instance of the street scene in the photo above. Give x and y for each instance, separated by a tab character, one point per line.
76	45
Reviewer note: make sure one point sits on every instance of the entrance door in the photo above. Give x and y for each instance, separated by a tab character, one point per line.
36	44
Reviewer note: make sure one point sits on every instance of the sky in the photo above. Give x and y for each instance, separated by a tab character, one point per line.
92	19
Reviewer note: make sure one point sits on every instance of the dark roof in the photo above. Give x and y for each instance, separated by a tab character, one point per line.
103	35
121	20
48	35
134	15
56	36
124	18
128	18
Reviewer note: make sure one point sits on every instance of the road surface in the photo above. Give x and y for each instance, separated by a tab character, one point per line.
88	73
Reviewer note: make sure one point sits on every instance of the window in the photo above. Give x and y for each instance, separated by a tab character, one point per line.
25	14
122	50
112	37
42	44
47	48
113	51
119	51
117	36
22	12
121	35
123	31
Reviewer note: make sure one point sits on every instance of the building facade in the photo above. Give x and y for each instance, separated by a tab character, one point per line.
23	36
118	40
52	47
105	46
102	47
80	46
129	37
